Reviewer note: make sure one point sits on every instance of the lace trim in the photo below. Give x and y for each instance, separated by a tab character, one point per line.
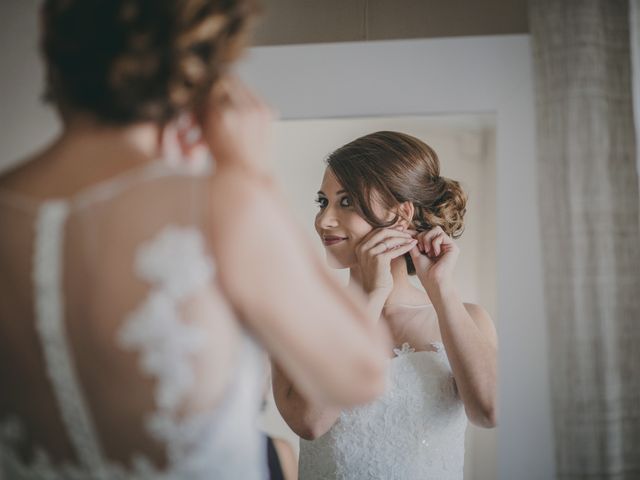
48	273
406	349
12	433
221	444
109	188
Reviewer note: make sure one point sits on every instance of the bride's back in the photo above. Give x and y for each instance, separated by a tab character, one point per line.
116	340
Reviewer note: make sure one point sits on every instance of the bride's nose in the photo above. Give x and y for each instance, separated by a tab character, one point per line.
327	219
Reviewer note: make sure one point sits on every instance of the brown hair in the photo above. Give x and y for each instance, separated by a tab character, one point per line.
140	60
393	168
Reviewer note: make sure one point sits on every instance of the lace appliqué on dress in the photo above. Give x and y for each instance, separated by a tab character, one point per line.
40	467
176	265
49	322
403	350
415	429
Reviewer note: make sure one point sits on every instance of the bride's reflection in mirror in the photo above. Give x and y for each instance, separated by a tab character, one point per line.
389	217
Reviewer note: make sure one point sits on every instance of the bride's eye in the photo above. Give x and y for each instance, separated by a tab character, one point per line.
321	202
345	202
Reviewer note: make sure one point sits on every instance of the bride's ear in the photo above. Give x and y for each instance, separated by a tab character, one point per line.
182	141
405	212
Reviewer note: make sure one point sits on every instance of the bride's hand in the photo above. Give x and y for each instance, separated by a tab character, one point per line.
435	257
374	254
236	125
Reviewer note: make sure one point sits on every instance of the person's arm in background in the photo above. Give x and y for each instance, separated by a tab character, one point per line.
318	334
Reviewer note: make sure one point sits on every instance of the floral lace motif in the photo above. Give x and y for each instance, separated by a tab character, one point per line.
155	327
222	444
415	429
403	350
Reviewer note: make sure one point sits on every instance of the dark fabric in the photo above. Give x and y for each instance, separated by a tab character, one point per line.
275	469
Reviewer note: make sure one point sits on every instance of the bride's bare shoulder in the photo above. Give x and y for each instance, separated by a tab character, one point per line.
482	320
31	176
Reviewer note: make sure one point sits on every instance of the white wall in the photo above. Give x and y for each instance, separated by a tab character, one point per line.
25	123
461	75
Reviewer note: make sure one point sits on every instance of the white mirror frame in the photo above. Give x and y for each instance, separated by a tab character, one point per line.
444	76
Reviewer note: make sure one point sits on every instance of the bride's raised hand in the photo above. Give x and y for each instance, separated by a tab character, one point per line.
374	254
435	257
236	126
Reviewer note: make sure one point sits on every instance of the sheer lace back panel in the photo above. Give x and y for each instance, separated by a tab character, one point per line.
119	355
416	429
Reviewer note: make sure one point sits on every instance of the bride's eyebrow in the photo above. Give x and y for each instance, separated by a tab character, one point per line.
320	192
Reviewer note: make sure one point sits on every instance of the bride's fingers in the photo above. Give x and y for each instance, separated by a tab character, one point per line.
427	237
229	92
419	258
255	99
222	93
400	249
416	253
376	237
424	242
442	243
245	96
434	247
390	244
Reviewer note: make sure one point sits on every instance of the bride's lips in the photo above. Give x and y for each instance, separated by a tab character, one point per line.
330	240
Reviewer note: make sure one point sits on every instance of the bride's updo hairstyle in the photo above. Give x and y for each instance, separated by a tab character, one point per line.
392	168
127	61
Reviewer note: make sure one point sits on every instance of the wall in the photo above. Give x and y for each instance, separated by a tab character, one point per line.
25	123
307	21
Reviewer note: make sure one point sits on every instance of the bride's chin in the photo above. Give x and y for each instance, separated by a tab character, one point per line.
335	263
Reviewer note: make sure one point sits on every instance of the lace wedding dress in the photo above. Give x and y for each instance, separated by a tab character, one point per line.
120	357
416	430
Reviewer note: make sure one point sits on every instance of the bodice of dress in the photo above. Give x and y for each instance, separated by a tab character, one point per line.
415	430
170	267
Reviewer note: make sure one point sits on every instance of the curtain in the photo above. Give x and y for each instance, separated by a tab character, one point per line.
589	209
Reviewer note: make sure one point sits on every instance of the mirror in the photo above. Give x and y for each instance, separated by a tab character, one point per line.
465	145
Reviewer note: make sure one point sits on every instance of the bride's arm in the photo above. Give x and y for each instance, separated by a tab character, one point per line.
472	345
318	334
307	419
467	330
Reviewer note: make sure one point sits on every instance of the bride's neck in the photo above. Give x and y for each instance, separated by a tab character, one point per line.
404	292
140	139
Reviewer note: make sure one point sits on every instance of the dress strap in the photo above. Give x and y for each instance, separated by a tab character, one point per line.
48	274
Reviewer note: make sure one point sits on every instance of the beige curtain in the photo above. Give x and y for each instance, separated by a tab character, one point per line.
588	187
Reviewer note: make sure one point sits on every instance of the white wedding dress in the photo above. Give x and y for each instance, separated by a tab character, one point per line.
416	430
120	357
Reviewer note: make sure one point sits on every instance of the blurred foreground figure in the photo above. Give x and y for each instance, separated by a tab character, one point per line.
139	280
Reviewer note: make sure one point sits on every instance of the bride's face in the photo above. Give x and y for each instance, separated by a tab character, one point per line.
339	226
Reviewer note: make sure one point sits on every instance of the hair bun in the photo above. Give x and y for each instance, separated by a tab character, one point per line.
140	60
447	210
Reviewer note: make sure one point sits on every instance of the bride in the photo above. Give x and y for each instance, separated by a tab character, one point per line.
386	213
137	290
